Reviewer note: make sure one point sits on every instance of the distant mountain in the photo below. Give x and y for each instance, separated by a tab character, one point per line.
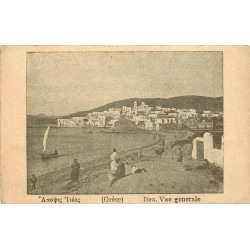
195	102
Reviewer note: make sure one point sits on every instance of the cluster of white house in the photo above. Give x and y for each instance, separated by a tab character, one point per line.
94	119
144	117
211	114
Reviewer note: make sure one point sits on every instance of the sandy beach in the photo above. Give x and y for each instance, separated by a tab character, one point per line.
164	175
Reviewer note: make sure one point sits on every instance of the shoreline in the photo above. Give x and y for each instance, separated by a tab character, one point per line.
89	167
164	175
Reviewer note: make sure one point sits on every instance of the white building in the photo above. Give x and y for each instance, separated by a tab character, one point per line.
173	114
79	121
152	115
160	112
203	149
206	113
126	110
63	122
186	113
210	114
143	107
101	121
165	119
72	122
93	121
135	105
149	124
138	118
166	110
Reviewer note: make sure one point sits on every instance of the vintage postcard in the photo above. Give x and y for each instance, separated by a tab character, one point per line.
125	124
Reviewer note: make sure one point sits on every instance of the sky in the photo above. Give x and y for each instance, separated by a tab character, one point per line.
61	83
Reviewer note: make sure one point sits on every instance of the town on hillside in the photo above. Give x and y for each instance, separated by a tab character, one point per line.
149	118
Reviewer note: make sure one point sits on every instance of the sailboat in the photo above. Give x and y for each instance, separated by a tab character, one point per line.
47	155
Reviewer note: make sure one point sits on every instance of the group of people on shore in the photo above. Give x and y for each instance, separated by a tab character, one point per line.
117	167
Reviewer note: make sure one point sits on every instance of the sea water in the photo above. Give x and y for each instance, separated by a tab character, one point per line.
77	143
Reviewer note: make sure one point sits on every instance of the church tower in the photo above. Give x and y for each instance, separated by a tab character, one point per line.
135	105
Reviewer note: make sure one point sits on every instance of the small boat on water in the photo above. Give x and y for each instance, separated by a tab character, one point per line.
45	155
51	155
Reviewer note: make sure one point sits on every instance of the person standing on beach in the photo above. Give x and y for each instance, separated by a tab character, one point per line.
159	151
163	143
75	172
113	164
139	155
179	159
33	181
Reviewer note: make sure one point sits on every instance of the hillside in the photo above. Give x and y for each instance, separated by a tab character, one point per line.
196	102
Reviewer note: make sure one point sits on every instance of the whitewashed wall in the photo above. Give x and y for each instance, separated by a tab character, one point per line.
212	154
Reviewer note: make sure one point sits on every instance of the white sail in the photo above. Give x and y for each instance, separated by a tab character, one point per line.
45	138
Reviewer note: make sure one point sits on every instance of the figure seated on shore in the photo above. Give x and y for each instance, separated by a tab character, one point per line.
117	174
136	170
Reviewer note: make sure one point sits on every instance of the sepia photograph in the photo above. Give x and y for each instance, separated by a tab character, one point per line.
124	115
124	122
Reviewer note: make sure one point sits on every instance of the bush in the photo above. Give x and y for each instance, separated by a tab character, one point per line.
217	172
188	138
188	168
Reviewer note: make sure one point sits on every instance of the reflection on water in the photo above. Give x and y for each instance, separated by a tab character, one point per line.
77	143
